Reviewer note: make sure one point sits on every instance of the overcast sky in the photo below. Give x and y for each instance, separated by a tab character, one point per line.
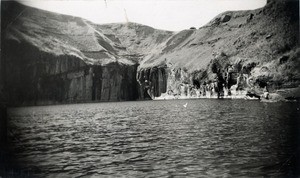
171	15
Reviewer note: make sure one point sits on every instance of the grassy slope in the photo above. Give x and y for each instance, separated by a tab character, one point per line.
66	35
138	40
270	34
59	34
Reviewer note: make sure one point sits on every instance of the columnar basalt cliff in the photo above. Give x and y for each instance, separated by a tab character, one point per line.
52	58
153	81
41	78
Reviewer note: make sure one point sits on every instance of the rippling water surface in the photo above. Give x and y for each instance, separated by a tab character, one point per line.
208	138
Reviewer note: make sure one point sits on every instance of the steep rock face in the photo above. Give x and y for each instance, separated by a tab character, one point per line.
41	78
237	52
51	58
153	81
115	82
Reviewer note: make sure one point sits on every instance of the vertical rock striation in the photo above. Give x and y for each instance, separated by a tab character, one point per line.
153	81
41	78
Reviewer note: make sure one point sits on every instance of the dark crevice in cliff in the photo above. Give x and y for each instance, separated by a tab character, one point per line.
153	81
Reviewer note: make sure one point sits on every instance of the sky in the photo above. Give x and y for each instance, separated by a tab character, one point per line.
173	15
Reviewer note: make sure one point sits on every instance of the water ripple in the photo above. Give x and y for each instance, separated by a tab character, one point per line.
209	138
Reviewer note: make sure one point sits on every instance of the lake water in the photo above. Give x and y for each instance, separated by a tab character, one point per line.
208	138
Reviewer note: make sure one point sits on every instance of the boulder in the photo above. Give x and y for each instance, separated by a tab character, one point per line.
225	18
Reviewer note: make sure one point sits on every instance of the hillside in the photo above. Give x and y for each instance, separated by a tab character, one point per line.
139	40
260	45
259	35
65	35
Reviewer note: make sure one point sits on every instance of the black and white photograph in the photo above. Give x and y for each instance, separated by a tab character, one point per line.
149	88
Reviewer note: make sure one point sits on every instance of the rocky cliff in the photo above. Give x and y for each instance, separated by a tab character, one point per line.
236	54
52	58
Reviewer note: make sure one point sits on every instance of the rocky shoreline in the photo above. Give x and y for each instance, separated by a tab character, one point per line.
272	97
165	83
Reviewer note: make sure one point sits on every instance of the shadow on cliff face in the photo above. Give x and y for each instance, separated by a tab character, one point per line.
34	77
153	81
